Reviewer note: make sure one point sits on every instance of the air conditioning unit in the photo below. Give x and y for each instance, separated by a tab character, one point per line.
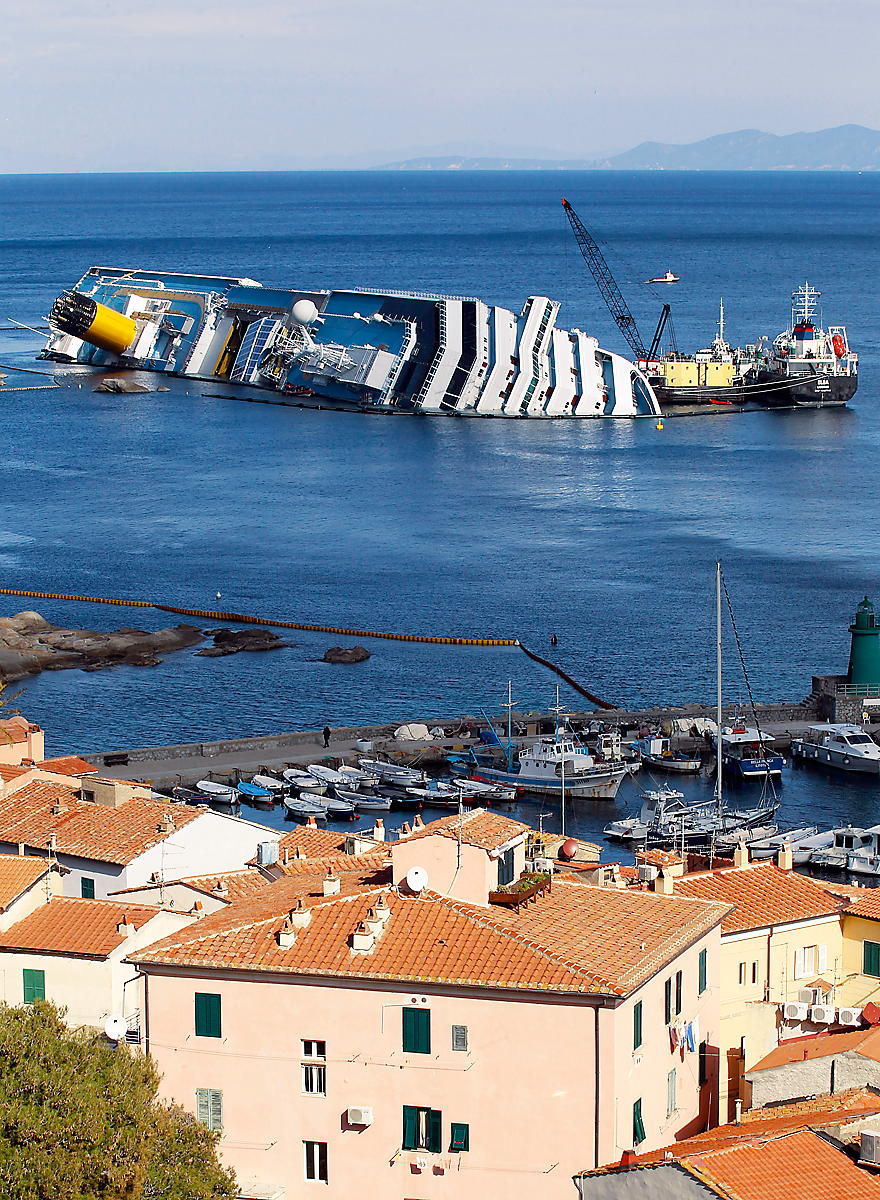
822	1014
360	1116
648	872
869	1149
795	1012
544	866
849	1016
810	995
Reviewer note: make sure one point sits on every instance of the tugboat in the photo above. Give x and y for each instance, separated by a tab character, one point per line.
807	365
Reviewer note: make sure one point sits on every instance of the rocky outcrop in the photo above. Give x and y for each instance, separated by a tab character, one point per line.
346	654
120	385
233	641
30	644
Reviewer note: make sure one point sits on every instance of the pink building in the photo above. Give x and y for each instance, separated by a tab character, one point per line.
348	1031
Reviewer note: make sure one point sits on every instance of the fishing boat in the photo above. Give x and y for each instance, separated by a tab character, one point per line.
657	752
393	773
553	767
356	349
188	795
865	859
745	753
329	776
650	819
842	747
364	802
302	779
253	791
268	782
668	277
218	793
845	842
299	807
334	806
769	847
356	777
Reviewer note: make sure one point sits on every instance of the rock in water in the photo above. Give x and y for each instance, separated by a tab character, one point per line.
115	384
233	641
346	654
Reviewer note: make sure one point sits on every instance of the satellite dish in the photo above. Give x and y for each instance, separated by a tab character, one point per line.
116	1028
417	879
304	312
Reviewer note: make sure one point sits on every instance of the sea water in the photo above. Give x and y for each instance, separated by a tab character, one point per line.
604	533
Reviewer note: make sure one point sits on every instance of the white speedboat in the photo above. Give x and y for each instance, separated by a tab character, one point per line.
865	860
835	854
844	747
220	793
269	782
769	847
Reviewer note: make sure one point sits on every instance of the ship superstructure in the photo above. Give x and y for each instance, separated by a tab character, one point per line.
355	349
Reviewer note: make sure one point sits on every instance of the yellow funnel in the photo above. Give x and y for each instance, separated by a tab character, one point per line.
95	323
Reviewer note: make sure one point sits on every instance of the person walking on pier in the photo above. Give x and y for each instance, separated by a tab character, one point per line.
326	732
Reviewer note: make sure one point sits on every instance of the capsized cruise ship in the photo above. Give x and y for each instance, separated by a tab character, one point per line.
358	349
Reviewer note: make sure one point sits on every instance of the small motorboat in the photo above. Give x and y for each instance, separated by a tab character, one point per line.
218	793
269	782
658	753
393	773
302	779
188	795
365	803
329	776
358	778
334	806
835	856
627	829
770	847
305	808
667	278
254	792
844	747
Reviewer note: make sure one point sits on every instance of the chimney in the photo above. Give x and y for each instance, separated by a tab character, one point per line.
286	856
220	889
124	929
785	858
312	822
21	848
299	916
286	935
665	882
741	855
628	1159
166	825
363	938
379	830
299	855
738	1107
58	808
405	830
377	917
331	883
383	911
418	823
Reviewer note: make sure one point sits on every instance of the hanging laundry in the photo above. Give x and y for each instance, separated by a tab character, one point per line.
691	1044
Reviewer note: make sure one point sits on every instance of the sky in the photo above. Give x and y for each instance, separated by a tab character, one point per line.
202	85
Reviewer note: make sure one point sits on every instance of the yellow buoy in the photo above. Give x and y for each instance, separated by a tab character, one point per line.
660	424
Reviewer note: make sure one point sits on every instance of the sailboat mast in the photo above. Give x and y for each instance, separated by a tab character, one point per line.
718	750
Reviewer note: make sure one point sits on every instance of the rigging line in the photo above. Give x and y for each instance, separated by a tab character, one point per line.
742	661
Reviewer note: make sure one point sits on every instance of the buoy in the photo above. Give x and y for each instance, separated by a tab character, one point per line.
218	595
660	423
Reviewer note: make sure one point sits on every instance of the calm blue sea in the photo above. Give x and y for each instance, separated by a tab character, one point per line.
605	533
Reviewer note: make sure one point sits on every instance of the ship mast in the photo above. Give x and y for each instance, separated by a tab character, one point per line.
718	750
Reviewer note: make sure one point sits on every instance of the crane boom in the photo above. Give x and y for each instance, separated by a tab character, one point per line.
617	306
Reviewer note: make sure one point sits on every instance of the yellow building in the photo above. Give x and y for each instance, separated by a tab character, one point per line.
782	937
860	982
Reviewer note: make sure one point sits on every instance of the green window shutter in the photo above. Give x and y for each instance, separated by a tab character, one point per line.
216	1107
417	1030
667	1002
872	958
410	1127
207	1015
435	1135
203	1110
679	988
460	1137
637	1026
87	888
703	972
638	1124
34	985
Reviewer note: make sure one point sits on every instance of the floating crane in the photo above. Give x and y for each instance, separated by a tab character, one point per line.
611	293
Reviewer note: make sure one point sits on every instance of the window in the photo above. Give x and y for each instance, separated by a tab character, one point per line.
207	1015
34	985
667	1002
637	1026
742	974
505	868
459	1137
703	971
209	1108
87	797
459	1037
315	1161
809	960
679	987
638	1124
754	972
422	1129
417	1030
314	1072
704	1063
87	887
670	1092
871	964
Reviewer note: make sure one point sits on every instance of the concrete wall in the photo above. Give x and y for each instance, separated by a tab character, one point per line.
814	1077
208	845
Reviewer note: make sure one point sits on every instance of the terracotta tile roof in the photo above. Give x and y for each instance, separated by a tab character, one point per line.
7	773
83	928
800	1166
313	842
69	764
15	729
863	1041
341	863
570	941
867	905
823	1112
761	894
113	835
232	885
479	827
17	874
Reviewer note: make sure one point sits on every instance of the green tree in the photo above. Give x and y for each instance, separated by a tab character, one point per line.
79	1120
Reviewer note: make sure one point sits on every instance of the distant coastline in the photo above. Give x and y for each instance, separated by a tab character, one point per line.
850	148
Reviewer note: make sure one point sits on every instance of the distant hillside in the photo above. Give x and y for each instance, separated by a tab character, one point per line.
847	148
